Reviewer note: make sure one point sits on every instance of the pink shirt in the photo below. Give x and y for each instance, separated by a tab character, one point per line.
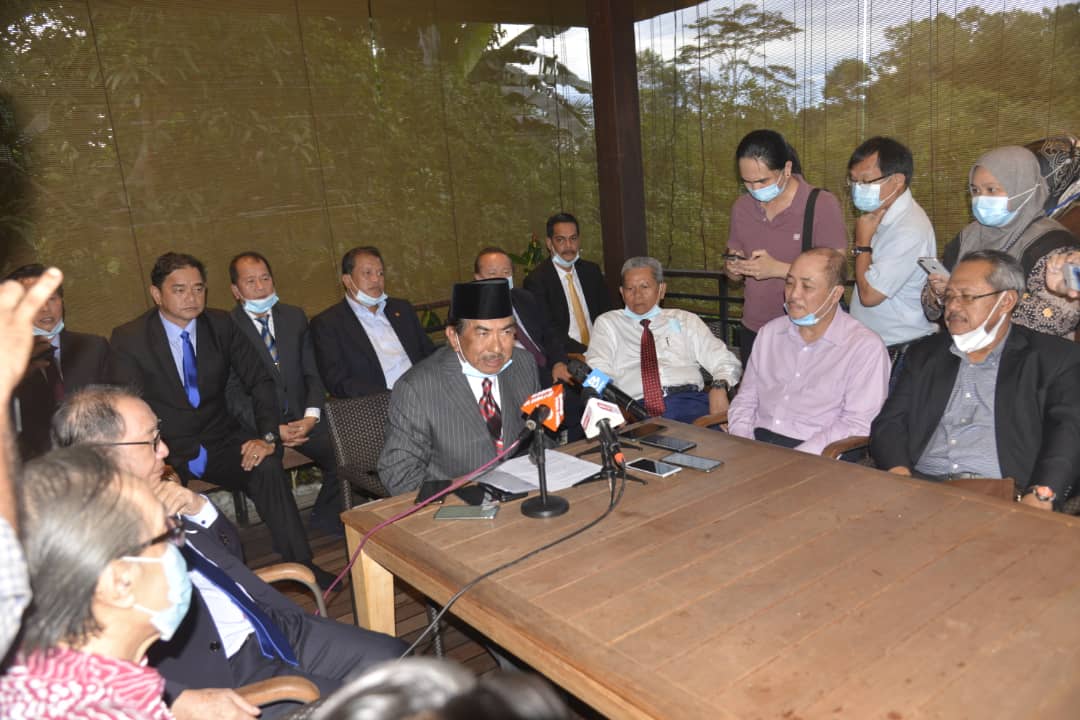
75	685
782	238
819	392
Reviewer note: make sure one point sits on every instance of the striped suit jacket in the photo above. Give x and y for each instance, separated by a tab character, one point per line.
434	430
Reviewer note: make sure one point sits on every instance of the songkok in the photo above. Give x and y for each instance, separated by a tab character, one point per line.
481	300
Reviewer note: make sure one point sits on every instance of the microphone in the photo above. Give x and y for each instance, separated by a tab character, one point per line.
600	383
599	418
550	398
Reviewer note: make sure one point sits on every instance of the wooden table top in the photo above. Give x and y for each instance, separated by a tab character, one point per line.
779	585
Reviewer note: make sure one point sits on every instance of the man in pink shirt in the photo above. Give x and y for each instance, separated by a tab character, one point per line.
816	375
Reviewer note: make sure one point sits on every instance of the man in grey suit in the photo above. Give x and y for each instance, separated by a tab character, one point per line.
458	408
279	333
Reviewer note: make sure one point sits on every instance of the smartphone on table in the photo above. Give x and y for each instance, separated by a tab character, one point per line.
694	462
653	467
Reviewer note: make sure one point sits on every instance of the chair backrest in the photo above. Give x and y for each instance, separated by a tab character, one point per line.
357	432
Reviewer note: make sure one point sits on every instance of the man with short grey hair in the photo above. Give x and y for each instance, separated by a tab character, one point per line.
657	354
987	399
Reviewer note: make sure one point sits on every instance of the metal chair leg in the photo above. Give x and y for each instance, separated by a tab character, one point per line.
437	639
240	505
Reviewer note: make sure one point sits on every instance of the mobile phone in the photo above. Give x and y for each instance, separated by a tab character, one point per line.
641	431
933	266
1072	276
653	467
732	256
694	462
467	512
667	442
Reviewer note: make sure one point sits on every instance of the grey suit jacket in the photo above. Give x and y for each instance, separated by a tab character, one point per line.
434	430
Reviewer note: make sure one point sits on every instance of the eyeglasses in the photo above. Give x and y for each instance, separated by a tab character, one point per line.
154	442
875	181
173	534
964	299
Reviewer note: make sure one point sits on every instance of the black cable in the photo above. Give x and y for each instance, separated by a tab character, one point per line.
612	503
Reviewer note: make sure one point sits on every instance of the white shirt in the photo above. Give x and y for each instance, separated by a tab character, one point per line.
904	235
684	345
575	329
231	622
393	359
308	412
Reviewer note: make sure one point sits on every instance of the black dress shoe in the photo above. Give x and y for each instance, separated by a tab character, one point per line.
322	578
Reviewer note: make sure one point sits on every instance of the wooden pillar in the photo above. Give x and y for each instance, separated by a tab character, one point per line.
617	117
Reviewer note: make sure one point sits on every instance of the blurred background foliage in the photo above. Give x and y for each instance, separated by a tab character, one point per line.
303	127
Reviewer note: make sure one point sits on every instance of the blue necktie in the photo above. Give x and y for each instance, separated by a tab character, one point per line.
197	466
272	642
271	347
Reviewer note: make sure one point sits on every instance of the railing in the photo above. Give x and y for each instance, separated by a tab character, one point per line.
722	297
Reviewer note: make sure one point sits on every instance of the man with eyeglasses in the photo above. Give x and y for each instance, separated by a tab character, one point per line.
988	399
891	234
217	647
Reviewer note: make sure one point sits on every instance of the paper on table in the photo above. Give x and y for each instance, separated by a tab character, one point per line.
519	474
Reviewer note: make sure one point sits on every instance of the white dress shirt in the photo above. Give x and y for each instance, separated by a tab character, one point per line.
684	345
393	359
575	329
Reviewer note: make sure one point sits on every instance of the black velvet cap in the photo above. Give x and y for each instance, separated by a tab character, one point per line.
481	300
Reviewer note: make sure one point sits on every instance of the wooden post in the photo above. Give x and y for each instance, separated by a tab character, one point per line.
618	134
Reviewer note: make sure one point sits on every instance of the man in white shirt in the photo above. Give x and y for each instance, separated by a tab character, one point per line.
656	354
890	236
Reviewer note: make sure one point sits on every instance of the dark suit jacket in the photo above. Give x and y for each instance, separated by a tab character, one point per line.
540	330
297	379
194	656
546	283
346	358
140	356
1036	408
83	361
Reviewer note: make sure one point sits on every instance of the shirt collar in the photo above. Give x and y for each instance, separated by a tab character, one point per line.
358	307
172	331
899	208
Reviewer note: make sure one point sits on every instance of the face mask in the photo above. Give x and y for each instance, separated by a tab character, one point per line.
364	299
993	210
49	333
261	307
809	319
168	619
469	371
767	193
979	338
647	316
867	197
558	260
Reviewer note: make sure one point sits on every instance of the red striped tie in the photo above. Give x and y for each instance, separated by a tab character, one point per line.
650	373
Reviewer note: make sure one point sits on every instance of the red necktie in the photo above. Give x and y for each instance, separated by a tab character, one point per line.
489	410
650	373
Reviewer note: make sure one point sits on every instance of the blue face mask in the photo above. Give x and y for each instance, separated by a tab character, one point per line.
993	210
653	312
261	306
49	333
566	264
364	299
867	197
469	371
809	319
174	566
767	193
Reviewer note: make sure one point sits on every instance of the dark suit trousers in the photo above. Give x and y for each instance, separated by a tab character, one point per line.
329	653
267	485
319	448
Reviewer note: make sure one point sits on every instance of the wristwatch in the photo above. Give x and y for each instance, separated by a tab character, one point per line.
721	385
860	249
270	438
1043	493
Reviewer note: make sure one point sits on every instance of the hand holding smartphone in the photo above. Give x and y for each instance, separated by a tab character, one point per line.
933	266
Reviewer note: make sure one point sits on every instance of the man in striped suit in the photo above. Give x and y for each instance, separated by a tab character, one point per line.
458	408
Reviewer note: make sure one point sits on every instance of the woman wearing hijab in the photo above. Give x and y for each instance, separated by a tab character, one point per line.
1008	194
770	224
108	580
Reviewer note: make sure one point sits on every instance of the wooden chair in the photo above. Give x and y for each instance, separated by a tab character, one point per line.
358	431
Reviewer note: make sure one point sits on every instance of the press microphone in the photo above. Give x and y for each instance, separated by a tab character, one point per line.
599	418
600	383
550	398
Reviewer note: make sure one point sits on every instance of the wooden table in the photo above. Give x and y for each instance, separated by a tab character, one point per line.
779	585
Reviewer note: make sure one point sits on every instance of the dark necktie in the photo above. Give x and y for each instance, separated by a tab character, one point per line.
489	410
54	379
197	465
268	338
650	373
528	344
272	642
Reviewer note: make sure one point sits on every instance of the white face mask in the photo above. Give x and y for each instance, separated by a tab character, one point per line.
979	338
567	264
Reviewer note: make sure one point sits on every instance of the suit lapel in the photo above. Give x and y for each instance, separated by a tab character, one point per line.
70	347
457	388
939	390
555	281
1009	374
247	326
357	339
159	348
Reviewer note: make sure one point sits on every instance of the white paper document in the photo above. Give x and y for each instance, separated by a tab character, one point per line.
519	474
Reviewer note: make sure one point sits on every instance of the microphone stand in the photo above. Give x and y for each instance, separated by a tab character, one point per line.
543	505
609	468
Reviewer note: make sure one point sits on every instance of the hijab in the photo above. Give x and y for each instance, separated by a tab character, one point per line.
1017	169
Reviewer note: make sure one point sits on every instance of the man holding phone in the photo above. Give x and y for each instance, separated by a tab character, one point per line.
891	234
